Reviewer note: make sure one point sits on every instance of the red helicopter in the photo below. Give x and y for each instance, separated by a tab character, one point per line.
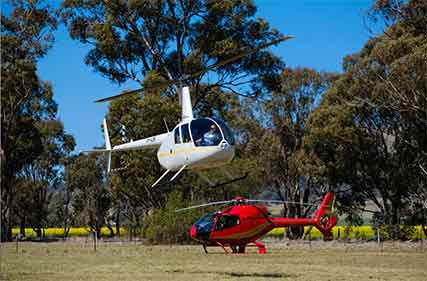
242	224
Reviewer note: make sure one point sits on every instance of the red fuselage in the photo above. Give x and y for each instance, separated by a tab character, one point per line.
243	224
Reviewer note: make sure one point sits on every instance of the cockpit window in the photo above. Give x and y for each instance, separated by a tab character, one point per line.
204	224
185	133
228	134
177	136
205	132
226	222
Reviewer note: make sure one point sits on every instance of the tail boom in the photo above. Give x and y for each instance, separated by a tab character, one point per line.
324	219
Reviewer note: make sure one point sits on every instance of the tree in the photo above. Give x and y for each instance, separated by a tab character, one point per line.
38	179
85	178
26	35
146	41
369	131
292	100
134	172
129	39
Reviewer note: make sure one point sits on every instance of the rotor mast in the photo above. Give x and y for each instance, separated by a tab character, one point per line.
186	107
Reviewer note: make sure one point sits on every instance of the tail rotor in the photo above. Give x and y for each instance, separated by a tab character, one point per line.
325	218
108	149
107	146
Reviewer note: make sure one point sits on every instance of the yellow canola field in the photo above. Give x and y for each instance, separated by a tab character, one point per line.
354	232
59	231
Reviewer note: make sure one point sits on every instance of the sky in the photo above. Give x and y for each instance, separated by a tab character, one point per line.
325	31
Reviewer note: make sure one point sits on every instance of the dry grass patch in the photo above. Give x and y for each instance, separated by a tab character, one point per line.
284	261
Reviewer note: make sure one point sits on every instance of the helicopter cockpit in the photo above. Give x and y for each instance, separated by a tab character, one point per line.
210	132
202	228
205	132
213	222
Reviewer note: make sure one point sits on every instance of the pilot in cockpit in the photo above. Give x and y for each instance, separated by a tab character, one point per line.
211	138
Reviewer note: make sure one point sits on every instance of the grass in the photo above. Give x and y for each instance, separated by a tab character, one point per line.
284	261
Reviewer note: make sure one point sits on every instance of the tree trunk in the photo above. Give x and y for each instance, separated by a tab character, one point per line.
66	227
118	222
6	227
111	230
6	204
38	232
395	226
22	227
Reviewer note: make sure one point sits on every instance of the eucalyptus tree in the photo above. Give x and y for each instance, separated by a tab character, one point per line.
149	41
369	131
85	179
26	35
128	39
38	180
294	97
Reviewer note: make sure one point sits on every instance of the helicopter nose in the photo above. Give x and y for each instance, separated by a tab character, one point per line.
193	232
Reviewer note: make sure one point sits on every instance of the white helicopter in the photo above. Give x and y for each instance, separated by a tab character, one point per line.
194	143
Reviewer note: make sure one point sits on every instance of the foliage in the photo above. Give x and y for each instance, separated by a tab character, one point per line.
165	225
368	134
85	179
292	100
129	39
37	180
26	101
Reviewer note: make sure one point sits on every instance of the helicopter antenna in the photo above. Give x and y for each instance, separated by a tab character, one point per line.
166	124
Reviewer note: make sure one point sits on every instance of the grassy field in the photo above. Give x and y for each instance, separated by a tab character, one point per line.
283	261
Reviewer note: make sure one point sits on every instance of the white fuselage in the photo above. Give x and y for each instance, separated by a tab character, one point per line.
173	156
195	143
176	151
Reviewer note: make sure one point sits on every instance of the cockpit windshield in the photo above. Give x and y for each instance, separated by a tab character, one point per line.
204	224
205	132
228	134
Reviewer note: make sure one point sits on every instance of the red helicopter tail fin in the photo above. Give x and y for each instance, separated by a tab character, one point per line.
324	218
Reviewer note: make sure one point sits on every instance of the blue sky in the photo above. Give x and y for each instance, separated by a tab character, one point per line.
325	30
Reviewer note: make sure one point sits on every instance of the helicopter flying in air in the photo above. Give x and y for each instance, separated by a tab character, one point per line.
242	224
194	143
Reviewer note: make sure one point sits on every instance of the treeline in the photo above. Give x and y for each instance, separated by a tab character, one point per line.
361	133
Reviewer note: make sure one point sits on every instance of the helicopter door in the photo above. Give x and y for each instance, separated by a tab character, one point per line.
182	147
226	221
187	144
177	159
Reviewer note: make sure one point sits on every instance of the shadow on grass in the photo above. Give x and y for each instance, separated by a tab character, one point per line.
237	274
264	275
40	240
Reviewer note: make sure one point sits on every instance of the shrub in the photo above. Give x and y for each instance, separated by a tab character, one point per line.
167	226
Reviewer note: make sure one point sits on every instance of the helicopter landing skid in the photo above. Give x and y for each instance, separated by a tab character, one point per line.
261	247
204	248
223	247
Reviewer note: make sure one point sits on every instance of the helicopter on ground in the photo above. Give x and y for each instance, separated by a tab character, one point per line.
243	224
194	143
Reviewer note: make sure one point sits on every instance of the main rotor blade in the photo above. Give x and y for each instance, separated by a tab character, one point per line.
278	201
243	54
128	93
156	84
148	86
203	205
